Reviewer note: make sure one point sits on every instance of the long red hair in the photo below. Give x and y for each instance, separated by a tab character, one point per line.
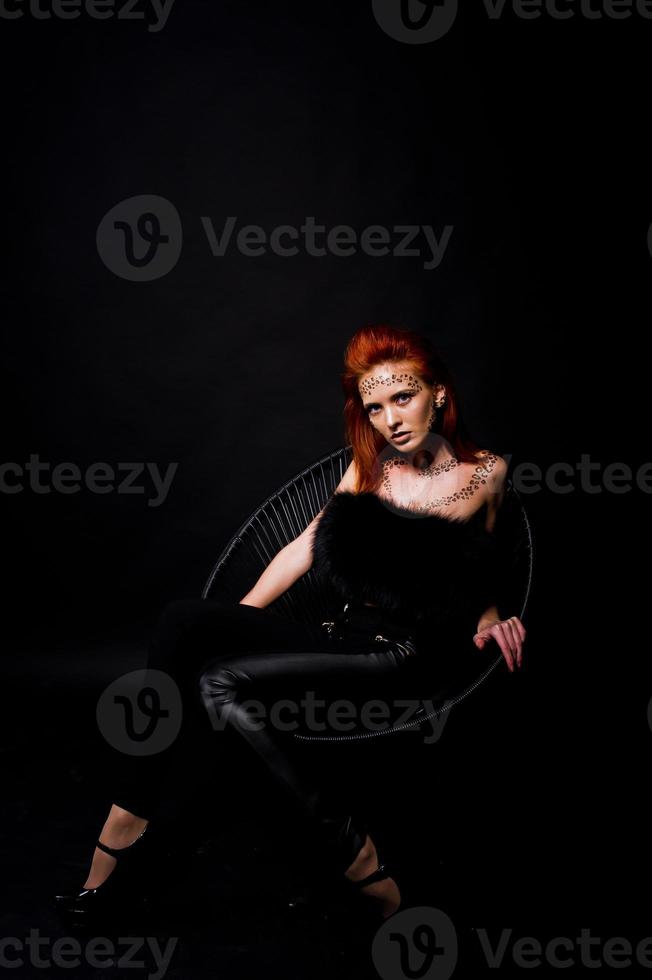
372	345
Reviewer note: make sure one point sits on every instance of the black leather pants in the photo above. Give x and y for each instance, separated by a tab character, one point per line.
224	656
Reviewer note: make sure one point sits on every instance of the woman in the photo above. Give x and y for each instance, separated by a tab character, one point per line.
406	542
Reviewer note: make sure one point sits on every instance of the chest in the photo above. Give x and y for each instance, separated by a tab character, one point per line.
456	493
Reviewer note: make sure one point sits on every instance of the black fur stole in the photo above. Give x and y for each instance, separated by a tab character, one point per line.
416	567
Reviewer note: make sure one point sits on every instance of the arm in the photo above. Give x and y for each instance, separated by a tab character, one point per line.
495	491
284	569
294	559
509	634
489	616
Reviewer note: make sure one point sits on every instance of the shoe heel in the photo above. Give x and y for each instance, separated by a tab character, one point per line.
124	891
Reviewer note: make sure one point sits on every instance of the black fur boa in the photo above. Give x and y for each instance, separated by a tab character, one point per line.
415	567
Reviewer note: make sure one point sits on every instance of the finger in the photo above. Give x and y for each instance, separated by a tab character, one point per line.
519	647
501	640
510	639
519	625
482	635
516	644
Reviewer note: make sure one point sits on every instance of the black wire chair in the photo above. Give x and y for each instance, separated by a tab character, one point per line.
311	601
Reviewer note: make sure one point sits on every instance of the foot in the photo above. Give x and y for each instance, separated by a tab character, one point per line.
120	830
385	893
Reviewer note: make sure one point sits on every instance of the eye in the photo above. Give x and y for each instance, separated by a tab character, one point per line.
371	409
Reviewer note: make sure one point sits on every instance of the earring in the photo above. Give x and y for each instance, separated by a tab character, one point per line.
435	406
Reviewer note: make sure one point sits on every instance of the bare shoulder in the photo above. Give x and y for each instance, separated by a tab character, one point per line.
349	481
495	467
494	487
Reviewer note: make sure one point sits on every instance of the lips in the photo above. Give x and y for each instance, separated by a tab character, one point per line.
400	435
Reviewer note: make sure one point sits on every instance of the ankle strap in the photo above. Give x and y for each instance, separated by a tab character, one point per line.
378	875
117	852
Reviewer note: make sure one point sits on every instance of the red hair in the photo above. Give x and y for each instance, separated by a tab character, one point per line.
372	345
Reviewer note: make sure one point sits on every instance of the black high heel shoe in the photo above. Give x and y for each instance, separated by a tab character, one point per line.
332	897
345	903
352	838
368	907
124	889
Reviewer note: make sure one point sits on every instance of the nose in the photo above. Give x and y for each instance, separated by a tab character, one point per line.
392	419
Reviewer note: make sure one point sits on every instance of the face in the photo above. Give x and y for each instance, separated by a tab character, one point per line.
397	400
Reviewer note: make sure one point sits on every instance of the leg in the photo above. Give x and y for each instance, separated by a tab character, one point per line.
121	829
385	892
225	687
188	632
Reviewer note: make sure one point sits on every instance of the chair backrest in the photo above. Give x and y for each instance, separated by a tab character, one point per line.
310	600
276	522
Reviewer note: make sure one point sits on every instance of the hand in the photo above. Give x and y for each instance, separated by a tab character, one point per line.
509	634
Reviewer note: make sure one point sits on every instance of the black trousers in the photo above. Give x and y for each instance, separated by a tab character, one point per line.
219	657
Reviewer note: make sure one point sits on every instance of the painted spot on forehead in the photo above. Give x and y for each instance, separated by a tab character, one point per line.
369	384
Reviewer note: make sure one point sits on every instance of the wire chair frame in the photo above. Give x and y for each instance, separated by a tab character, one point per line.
280	518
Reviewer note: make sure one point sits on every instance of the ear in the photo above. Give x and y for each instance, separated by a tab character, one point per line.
439	395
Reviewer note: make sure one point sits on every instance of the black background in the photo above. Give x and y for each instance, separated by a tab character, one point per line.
529	137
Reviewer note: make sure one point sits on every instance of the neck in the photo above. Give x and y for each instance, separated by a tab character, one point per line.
429	456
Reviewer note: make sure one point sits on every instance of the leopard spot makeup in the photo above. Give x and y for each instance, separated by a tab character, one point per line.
370	384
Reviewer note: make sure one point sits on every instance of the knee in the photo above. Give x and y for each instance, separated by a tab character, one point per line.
218	684
178	615
167	642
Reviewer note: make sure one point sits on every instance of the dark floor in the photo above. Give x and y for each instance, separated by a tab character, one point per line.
487	827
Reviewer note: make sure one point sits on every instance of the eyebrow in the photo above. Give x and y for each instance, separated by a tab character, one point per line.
403	391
